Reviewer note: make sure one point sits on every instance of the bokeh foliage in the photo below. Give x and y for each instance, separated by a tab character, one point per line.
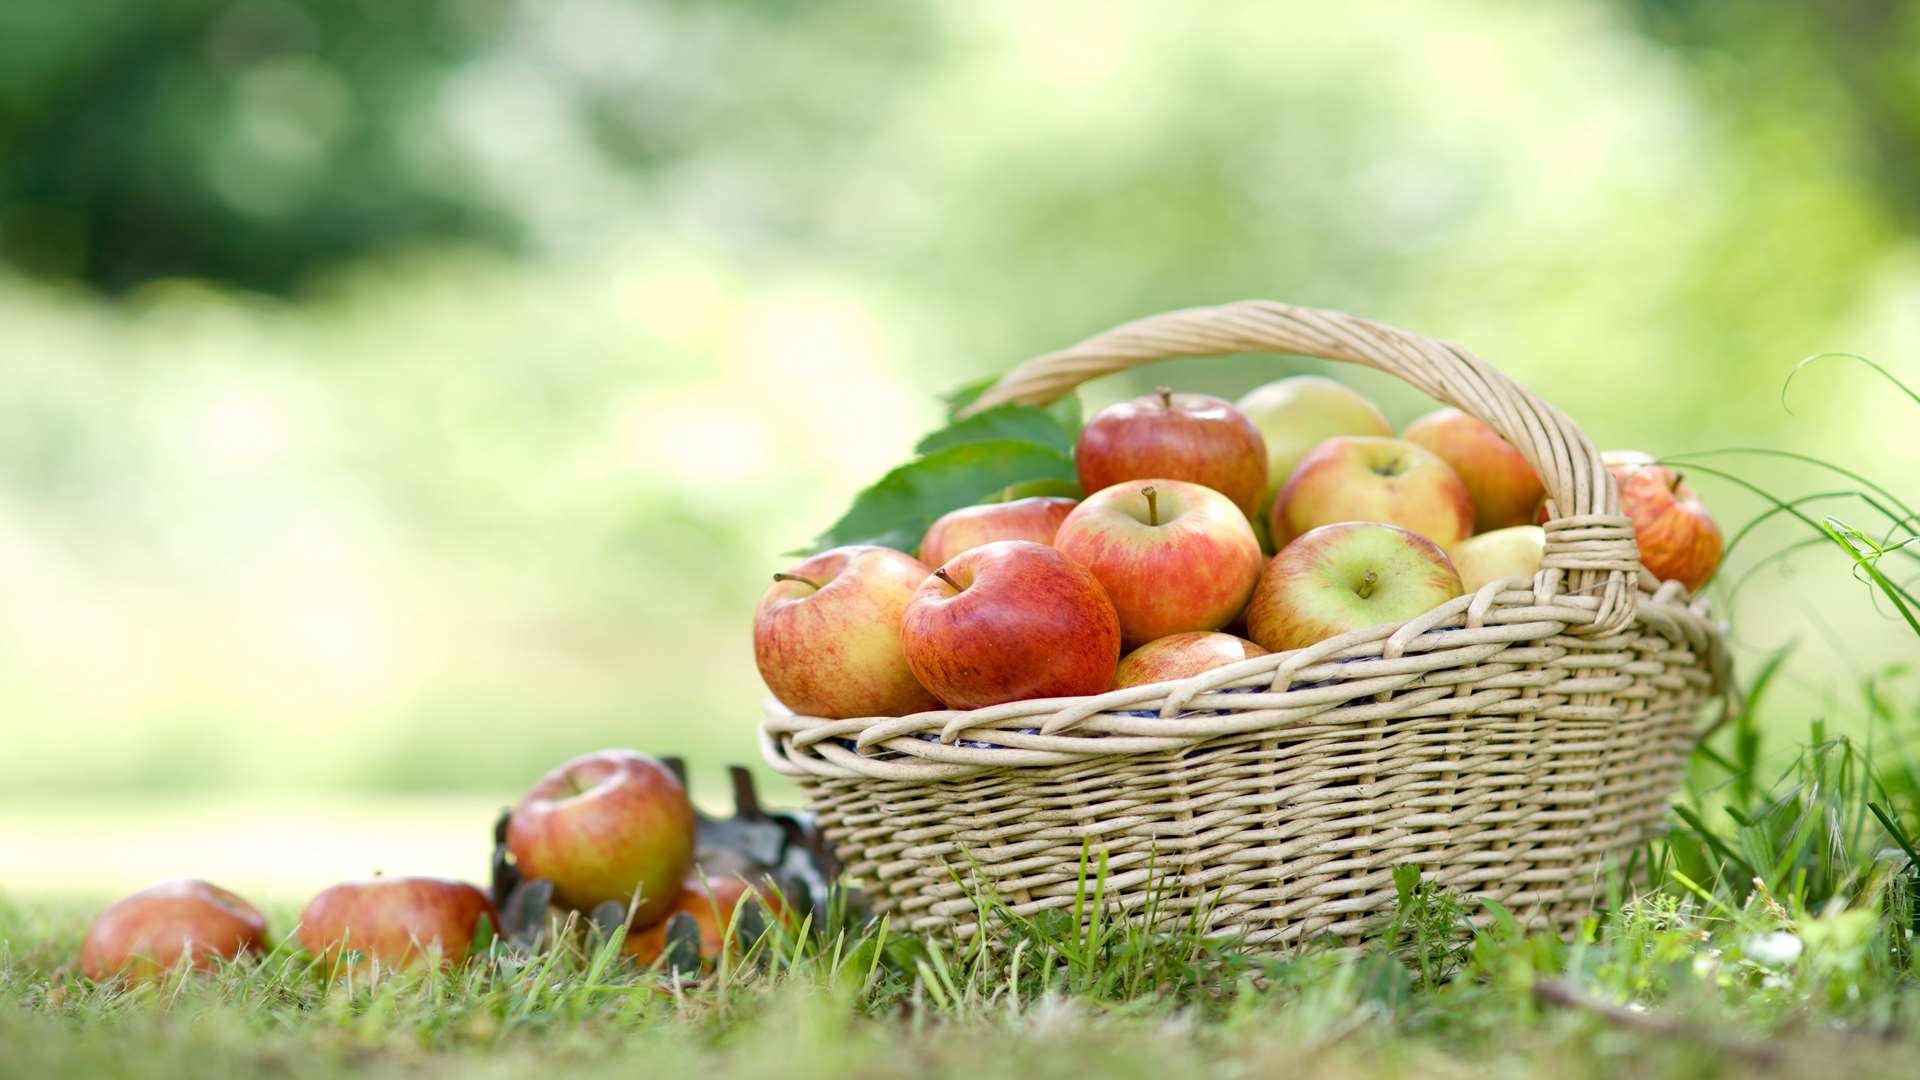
406	396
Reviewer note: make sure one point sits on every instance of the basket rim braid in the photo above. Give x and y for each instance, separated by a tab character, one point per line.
1515	741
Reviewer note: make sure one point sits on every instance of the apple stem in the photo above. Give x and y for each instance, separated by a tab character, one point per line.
798	578
1166	396
1153	504
1367	583
1673	486
943	576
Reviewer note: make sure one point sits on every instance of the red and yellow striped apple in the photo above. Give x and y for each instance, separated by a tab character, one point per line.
1173	556
1193	437
1678	538
603	825
1008	621
146	934
1365	478
1035	519
1504	488
1182	656
711	903
396	921
1336	579
827	634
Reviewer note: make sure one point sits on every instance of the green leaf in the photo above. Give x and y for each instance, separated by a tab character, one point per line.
896	511
1066	410
1028	489
1019	423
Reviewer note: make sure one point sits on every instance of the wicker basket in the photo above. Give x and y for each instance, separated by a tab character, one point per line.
1512	743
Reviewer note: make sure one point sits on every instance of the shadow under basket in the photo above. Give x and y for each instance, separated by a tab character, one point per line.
1516	743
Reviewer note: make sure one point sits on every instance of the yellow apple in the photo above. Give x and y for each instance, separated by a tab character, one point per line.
1297	414
1503	553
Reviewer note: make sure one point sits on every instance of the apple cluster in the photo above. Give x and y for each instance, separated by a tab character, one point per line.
610	826
1213	532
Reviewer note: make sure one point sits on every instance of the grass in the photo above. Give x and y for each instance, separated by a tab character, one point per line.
1772	932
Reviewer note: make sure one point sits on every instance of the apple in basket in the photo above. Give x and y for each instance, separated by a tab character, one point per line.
1182	656
1035	519
603	825
711	903
1296	414
827	634
1344	577
1513	552
1008	621
1678	538
1173	556
145	935
395	920
1193	437
1366	478
1504	488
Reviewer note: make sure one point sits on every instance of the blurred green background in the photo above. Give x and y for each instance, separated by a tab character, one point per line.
398	398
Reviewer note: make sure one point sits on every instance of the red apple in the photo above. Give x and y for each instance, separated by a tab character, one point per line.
1339	578
1503	553
1192	437
395	920
1008	621
144	935
1035	519
1366	478
1182	656
1173	556
711	903
827	635
1678	538
1504	488
601	826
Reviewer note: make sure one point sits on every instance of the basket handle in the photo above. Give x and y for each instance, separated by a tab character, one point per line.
1590	550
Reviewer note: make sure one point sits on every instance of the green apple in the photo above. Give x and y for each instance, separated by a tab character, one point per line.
1297	414
1340	578
1500	554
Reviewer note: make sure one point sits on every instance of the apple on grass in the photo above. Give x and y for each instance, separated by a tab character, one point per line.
1339	578
602	826
1173	556
1505	489
1182	656
396	921
1365	478
711	903
826	635
145	935
1296	414
1513	552
1193	437
1678	538
1008	621
1035	519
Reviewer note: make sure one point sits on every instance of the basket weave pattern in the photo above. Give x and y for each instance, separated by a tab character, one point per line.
1513	742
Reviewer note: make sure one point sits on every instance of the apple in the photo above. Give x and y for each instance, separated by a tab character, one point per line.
1035	519
1182	656
144	935
711	903
1504	488
1679	540
1008	621
827	635
1369	478
395	920
1513	552
1339	578
1296	414
1173	556
601	826
1193	437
